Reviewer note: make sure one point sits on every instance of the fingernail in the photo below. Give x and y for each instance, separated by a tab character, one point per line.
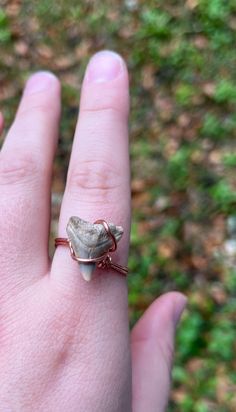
104	66
180	304
38	82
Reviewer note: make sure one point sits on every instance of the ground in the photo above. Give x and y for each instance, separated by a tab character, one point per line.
181	59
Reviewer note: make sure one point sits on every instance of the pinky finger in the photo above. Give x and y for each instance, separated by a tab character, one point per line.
152	346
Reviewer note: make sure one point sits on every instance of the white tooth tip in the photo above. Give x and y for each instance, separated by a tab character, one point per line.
86	270
86	276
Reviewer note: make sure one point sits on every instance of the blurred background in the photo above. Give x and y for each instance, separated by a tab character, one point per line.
182	63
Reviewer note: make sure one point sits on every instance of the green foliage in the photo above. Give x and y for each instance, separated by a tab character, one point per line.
135	239
155	23
170	228
184	94
76	12
229	159
190	335
184	56
225	92
178	168
222	340
50	10
5	33
187	404
179	375
216	11
201	406
230	282
224	196
212	127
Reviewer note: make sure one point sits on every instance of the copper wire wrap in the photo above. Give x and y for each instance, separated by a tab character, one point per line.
104	261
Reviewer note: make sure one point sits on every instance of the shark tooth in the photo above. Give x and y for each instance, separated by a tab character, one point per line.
90	240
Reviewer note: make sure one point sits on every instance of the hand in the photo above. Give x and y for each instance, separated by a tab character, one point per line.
64	342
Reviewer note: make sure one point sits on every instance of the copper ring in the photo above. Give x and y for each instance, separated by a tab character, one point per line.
104	261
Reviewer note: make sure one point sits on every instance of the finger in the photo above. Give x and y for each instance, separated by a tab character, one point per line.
152	346
25	177
98	183
98	186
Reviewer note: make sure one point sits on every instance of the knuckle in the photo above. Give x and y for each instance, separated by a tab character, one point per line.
93	181
39	107
109	109
115	101
40	103
14	170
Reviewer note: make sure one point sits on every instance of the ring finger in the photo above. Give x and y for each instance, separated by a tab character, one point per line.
98	186
98	182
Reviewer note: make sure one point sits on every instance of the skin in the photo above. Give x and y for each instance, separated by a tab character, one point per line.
65	344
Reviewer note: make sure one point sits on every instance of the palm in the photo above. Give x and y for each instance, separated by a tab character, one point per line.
65	343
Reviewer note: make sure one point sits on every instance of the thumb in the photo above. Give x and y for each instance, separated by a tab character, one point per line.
152	347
